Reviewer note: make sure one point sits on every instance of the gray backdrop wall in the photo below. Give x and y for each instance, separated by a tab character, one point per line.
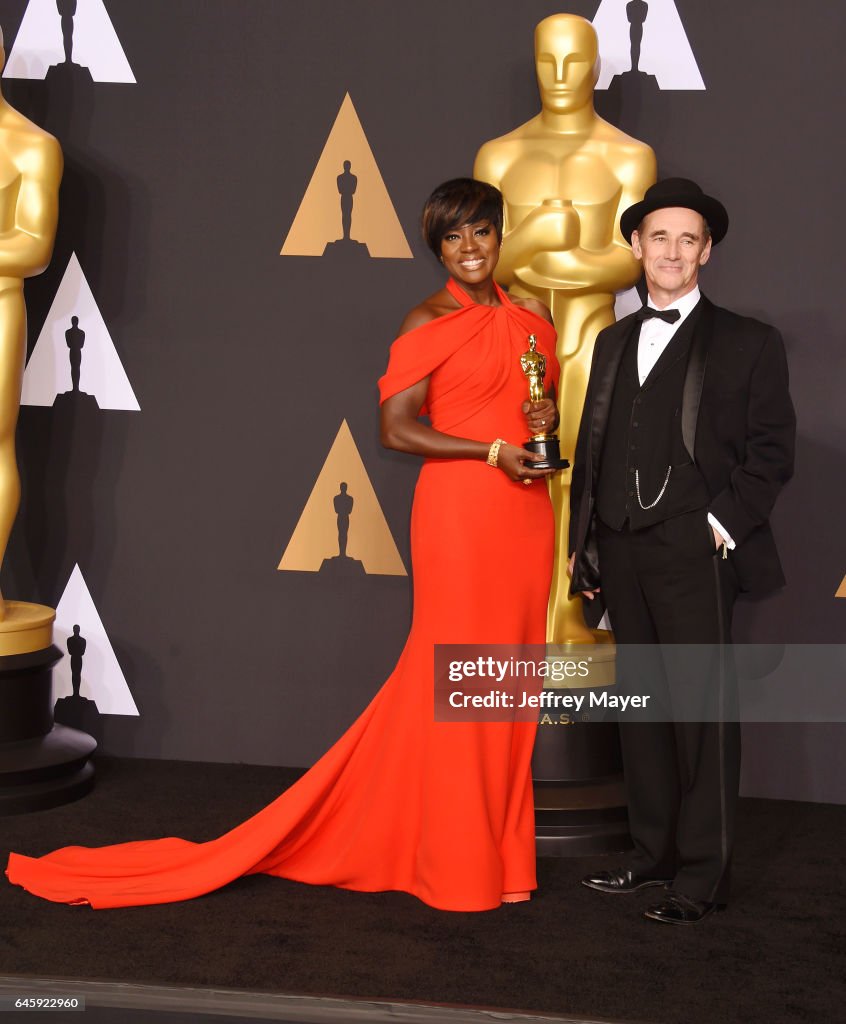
178	193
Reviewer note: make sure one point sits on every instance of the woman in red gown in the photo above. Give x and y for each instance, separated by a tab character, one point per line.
442	810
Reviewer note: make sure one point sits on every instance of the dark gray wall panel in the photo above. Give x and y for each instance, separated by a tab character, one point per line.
178	194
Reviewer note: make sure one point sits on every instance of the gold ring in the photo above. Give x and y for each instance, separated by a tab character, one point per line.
528	483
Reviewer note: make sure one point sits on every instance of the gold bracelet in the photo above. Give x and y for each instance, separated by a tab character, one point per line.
493	452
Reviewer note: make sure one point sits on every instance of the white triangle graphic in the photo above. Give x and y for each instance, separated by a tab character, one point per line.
665	50
102	678
48	372
39	43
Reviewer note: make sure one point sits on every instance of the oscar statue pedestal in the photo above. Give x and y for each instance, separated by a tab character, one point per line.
41	764
580	800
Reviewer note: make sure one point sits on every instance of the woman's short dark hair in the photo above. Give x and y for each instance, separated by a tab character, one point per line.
457	202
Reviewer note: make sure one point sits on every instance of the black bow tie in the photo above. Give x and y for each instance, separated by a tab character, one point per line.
669	316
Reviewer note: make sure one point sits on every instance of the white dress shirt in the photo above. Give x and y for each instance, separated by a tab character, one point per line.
655	336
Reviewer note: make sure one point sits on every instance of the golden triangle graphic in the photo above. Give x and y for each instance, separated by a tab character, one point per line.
841	590
346	205
342	531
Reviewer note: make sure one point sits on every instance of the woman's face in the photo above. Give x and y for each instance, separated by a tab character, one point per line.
471	252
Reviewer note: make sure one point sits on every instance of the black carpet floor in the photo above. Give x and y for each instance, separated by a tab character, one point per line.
778	953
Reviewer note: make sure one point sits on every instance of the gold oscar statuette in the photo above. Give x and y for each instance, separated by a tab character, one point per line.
43	762
30	172
566	175
533	364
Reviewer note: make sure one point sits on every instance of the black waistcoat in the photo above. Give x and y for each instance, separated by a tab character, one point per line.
643	439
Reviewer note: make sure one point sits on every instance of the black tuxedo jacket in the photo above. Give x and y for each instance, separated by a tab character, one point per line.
738	426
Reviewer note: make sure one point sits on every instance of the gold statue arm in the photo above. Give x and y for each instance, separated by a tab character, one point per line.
26	247
543	250
577	270
543	229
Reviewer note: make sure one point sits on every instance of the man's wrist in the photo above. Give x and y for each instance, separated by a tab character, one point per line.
722	531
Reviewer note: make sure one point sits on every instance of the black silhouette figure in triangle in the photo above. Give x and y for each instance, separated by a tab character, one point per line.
636	12
67	10
76	649
67	70
75	338
347	184
342	564
77	711
75	399
633	90
343	508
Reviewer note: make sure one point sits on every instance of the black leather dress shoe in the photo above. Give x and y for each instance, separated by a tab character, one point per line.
622	880
676	908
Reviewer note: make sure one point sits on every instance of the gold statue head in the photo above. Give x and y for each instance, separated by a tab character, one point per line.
566	61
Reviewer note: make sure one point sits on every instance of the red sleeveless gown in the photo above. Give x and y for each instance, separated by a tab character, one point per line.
442	810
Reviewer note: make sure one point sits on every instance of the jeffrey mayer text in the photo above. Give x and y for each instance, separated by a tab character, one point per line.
545	699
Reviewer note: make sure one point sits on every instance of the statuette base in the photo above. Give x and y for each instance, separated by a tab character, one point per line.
25	628
548	447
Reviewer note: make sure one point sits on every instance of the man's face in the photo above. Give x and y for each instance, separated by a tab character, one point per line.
566	62
671	244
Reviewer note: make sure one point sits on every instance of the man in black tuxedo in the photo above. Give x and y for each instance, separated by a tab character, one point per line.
686	438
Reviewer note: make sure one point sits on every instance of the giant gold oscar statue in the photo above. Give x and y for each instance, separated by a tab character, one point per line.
30	172
40	764
566	176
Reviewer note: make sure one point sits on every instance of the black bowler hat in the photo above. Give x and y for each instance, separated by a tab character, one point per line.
677	192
